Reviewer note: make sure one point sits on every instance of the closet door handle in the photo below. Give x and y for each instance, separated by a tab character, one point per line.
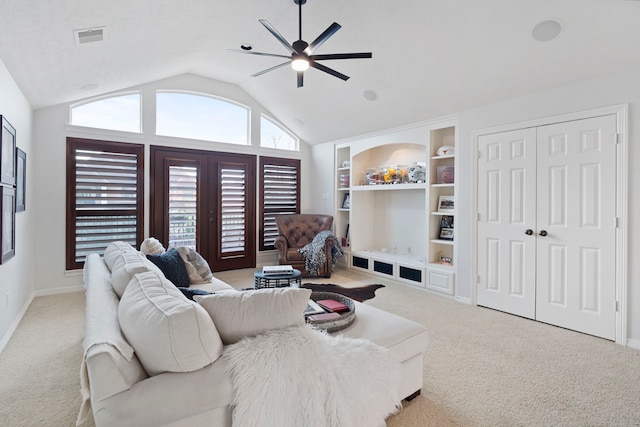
529	232
543	233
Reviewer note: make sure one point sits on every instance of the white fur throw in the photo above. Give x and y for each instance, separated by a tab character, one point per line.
300	376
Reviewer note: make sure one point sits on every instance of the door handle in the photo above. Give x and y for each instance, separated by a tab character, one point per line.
543	233
529	232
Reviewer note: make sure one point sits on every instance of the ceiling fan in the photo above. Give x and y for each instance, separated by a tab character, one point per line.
302	56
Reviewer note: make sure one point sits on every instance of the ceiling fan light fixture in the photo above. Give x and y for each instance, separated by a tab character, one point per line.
300	64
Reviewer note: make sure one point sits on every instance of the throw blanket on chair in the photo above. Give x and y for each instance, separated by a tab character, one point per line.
313	253
300	376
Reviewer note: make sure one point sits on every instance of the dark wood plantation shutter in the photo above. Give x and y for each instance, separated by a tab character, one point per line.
280	190
104	197
233	212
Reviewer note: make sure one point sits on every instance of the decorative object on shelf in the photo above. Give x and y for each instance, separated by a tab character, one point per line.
389	175
344	181
445	260
21	180
416	173
446	204
301	53
7	153
346	164
446	150
7	223
346	201
373	176
445	175
446	228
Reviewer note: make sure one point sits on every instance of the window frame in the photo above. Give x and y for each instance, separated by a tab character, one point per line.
274	161
74	144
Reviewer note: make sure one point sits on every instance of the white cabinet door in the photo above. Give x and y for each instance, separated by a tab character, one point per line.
546	226
507	209
577	212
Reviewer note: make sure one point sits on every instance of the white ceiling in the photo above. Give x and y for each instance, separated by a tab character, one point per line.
430	57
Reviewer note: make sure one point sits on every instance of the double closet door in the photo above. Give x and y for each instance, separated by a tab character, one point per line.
547	224
205	200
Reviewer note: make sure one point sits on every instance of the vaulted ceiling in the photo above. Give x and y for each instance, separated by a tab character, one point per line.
430	57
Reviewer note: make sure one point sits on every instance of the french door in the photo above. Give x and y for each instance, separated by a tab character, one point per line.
205	200
547	224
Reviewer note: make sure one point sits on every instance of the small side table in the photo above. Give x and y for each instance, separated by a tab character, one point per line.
260	280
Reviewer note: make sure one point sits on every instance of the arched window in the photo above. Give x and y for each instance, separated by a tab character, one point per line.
119	112
187	115
273	135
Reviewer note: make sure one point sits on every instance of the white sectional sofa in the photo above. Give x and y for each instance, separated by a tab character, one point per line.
120	392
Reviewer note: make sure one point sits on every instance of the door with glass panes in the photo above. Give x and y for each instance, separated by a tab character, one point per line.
205	200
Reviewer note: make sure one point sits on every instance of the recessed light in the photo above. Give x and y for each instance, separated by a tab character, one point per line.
370	95
546	30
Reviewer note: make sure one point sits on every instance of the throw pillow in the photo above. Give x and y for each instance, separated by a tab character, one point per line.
151	245
197	267
191	292
250	313
168	332
172	266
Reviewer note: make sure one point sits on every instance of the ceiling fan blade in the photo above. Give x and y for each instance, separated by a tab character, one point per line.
322	38
329	71
250	52
277	35
362	55
259	73
300	78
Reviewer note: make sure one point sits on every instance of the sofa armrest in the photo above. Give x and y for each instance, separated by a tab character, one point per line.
282	245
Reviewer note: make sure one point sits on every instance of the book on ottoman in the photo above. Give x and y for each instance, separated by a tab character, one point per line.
333	305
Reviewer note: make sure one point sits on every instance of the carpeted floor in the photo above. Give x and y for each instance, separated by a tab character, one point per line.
482	367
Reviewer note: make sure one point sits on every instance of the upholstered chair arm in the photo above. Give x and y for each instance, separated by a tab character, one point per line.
282	246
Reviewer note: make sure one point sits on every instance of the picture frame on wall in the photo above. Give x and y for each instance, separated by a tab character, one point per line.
7	224
7	153
446	204
21	180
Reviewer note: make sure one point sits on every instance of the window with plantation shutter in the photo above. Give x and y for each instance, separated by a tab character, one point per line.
183	186
104	197
233	211
280	194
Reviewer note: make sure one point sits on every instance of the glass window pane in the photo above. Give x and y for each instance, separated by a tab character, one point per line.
115	113
186	115
274	136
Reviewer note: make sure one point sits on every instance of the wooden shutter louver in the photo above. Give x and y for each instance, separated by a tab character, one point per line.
183	186
280	195
233	213
106	199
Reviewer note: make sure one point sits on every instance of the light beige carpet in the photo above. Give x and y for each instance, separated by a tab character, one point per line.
482	367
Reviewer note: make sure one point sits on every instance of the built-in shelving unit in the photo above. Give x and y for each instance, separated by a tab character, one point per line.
343	192
395	228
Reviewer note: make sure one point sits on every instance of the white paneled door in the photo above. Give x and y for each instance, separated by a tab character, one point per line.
546	226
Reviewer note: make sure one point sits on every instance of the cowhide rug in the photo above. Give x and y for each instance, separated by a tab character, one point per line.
360	293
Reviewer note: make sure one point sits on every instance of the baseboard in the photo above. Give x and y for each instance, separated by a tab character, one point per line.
58	291
16	322
464	300
634	344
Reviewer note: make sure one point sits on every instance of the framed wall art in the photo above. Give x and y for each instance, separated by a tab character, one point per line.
7	153
7	223
446	204
21	180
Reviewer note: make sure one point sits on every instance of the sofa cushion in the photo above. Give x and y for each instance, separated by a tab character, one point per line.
172	266
250	313
125	265
113	250
168	332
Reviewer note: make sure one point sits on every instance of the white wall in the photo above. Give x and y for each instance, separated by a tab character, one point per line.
613	90
17	274
51	132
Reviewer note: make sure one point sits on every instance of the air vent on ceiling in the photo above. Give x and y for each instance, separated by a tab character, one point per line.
89	35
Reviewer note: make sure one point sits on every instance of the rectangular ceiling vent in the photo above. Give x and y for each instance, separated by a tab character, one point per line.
89	35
